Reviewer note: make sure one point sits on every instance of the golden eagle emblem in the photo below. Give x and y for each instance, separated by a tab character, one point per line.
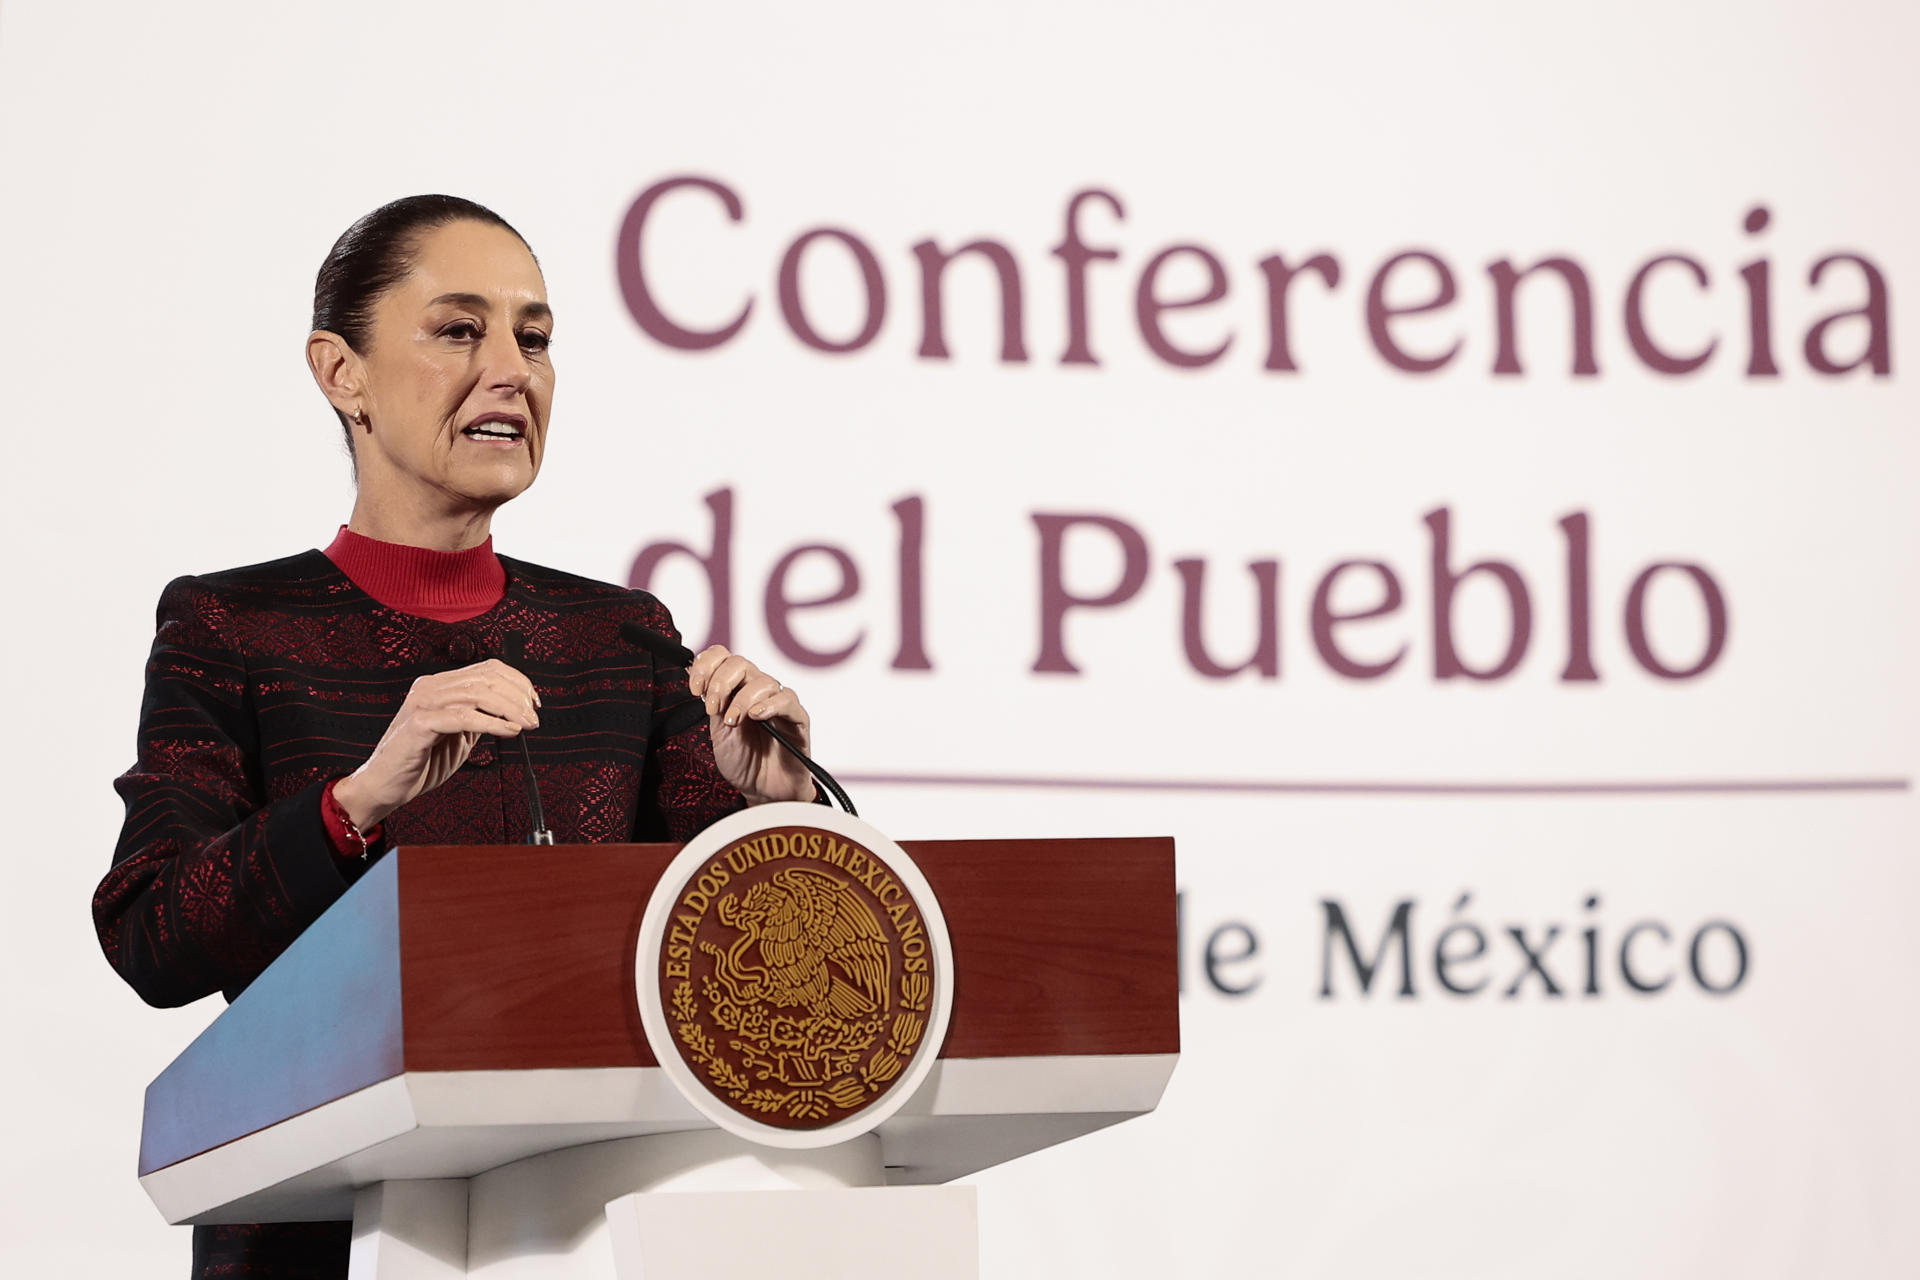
818	947
796	977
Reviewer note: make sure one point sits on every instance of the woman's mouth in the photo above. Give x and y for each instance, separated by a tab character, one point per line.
504	430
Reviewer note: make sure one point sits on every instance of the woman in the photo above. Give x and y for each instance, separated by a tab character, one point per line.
304	715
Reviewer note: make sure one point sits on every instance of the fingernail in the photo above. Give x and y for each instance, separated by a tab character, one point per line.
733	720
536	699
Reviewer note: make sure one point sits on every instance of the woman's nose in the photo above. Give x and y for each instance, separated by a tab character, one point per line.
506	364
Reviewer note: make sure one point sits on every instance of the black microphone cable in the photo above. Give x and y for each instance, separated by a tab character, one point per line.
536	812
676	654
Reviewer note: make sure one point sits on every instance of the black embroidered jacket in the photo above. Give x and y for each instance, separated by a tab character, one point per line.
266	682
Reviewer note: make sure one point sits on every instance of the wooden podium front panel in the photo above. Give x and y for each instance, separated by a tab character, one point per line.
521	958
1059	946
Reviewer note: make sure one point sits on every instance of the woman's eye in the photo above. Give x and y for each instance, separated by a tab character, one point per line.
534	340
462	330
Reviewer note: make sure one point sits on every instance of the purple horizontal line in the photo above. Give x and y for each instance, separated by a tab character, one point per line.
1721	786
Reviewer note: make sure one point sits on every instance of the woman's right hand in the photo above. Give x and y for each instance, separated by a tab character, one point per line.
433	733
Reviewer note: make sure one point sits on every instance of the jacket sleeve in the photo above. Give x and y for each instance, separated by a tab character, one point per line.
209	882
683	791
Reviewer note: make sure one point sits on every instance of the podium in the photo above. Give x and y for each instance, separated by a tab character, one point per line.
453	1057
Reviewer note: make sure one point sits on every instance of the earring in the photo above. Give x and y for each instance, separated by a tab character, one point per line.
360	420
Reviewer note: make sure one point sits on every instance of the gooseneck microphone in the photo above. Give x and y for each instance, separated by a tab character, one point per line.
673	653
536	812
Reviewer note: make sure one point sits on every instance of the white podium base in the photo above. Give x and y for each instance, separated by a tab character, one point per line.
669	1207
866	1233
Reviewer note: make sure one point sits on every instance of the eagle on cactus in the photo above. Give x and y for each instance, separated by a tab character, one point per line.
806	942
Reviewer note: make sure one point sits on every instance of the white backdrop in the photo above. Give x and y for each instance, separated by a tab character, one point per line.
174	173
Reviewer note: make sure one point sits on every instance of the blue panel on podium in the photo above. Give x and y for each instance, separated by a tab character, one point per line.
323	1021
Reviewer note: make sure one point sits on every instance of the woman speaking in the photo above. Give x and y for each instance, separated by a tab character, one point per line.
304	715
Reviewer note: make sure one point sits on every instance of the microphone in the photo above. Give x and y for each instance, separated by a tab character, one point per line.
536	813
673	653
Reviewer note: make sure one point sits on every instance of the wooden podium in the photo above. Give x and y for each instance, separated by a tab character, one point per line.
452	1056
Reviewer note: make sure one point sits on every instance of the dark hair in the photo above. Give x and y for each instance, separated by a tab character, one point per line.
376	253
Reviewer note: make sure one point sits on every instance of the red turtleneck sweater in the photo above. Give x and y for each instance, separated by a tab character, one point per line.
447	586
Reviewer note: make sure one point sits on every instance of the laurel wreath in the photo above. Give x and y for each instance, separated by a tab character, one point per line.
907	1028
807	1103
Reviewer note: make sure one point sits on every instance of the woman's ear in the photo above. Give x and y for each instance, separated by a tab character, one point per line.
337	370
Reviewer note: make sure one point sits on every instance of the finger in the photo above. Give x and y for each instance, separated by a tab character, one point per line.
782	703
726	678
792	717
702	667
763	698
509	694
451	720
758	686
493	673
490	692
514	677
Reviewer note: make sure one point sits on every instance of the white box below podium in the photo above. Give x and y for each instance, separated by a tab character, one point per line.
860	1233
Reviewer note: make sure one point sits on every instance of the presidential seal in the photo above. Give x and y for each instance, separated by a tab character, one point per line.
797	967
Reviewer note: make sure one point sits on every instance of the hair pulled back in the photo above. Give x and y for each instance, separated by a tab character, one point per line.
376	253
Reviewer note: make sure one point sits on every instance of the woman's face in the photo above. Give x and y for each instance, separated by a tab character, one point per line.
458	383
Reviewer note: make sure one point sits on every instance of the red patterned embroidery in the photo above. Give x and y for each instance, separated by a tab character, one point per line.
266	682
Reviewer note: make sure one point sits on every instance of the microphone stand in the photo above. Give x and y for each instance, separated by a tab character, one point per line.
536	812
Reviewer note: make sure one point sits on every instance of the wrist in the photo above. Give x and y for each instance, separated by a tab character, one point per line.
350	794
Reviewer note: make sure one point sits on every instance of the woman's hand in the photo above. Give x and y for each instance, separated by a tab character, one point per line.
736	693
433	733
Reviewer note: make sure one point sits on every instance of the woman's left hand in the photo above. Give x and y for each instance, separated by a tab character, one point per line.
736	693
